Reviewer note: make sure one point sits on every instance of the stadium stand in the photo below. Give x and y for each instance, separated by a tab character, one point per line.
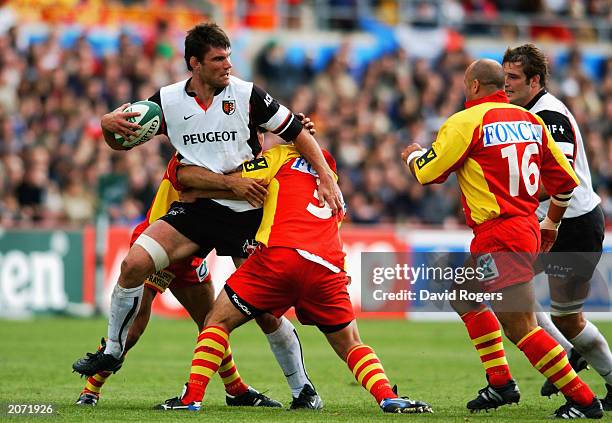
368	92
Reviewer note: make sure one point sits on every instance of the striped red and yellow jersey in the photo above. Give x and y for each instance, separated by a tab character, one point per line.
292	217
500	153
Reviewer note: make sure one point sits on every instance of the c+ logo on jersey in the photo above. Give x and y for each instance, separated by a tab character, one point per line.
556	128
426	158
228	106
256	164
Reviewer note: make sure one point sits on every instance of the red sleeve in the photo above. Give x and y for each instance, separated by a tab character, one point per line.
171	173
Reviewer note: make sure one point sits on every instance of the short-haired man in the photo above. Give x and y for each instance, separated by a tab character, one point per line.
211	119
578	247
500	153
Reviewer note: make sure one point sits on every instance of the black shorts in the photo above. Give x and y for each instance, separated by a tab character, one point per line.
578	247
213	226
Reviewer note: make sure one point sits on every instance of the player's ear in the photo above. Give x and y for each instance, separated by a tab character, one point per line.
193	62
535	81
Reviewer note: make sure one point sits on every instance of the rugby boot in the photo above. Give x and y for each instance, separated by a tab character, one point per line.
404	405
176	403
307	399
495	396
571	410
606	403
88	399
97	362
251	398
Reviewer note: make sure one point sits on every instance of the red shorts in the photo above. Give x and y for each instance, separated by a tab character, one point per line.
506	249
275	279
188	272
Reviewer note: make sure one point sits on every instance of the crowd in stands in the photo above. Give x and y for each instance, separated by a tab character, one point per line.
56	169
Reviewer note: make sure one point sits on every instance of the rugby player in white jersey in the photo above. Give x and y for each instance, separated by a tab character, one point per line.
211	119
574	256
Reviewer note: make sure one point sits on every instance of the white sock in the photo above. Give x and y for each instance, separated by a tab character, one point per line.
287	349
547	324
123	310
592	345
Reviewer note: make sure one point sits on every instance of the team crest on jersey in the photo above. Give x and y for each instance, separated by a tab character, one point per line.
228	106
256	164
426	158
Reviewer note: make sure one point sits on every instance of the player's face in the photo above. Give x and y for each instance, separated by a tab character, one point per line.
216	67
518	89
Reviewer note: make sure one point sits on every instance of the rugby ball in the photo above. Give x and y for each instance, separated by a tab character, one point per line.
149	120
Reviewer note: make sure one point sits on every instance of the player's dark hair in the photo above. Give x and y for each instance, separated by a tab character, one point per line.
531	58
201	38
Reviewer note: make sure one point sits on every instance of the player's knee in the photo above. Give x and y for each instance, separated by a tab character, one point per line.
268	323
570	325
133	272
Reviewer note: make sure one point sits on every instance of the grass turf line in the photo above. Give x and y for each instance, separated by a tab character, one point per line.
434	362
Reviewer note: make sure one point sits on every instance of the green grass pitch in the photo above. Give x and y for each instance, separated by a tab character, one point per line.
431	361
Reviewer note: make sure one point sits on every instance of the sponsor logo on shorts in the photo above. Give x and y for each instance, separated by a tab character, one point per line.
161	279
500	133
202	271
249	246
241	306
488	267
426	158
559	271
228	106
256	164
176	211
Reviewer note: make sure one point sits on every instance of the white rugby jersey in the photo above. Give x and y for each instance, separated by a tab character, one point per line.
224	135
565	131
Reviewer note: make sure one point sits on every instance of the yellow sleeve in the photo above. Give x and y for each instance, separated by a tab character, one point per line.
266	166
445	155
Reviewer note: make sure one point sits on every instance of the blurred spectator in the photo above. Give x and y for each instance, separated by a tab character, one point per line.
55	167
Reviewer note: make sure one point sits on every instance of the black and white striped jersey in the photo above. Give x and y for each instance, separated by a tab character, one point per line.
565	131
222	136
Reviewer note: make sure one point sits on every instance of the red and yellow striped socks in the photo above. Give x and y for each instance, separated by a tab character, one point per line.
369	372
485	333
94	383
550	359
207	357
230	376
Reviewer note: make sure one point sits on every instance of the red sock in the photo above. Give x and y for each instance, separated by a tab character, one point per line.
550	359
234	385
369	372
485	333
207	358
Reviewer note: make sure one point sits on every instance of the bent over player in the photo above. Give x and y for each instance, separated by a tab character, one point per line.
500	152
299	262
191	283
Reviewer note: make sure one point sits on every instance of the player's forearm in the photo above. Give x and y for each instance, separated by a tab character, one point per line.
196	177
308	148
558	204
190	195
